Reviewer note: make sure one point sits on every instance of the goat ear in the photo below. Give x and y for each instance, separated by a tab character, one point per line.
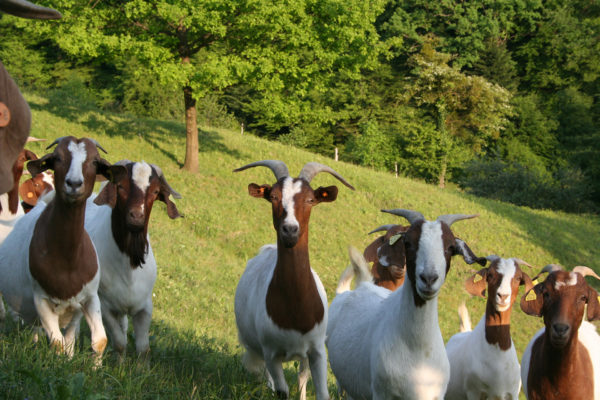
460	247
41	164
532	301
326	194
392	254
526	280
114	173
108	195
476	284
27	192
30	155
370	252
593	307
172	211
260	192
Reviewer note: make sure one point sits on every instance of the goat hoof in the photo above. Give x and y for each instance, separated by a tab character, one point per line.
281	394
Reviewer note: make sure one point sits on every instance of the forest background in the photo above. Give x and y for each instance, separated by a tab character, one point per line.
500	97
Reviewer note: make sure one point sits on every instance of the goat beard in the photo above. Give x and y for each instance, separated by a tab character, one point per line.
136	248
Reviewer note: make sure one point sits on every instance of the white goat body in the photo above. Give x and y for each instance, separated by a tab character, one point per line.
262	338
8	219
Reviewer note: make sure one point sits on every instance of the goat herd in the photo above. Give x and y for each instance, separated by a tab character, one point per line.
78	254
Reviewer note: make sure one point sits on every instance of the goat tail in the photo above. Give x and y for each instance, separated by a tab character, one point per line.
463	316
358	267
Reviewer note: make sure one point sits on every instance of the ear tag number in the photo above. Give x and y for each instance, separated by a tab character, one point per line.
395	238
531	295
477	278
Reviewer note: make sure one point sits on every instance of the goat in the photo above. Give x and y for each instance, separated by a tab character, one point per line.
280	302
15	116
387	272
34	188
385	344
48	263
562	360
117	222
10	208
483	361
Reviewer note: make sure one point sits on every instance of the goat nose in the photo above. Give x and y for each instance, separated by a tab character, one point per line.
429	279
560	329
74	183
136	214
502	297
290	229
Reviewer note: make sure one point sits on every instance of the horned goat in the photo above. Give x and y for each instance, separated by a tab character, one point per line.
280	303
385	344
562	360
483	361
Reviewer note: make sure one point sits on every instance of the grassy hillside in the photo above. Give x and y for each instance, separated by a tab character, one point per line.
201	256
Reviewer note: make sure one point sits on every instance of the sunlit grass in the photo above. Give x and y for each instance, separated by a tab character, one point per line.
201	256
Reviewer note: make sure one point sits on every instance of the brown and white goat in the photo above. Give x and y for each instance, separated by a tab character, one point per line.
389	270
32	189
280	303
48	263
15	116
117	221
562	360
483	361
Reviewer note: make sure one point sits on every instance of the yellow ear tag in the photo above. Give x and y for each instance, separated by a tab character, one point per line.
477	278
598	299
395	238
535	282
531	295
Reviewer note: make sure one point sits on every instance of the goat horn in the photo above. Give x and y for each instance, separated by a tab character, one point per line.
313	168
57	141
449	219
278	167
34	139
585	271
492	257
160	174
382	228
25	9
98	145
521	262
410	215
551	268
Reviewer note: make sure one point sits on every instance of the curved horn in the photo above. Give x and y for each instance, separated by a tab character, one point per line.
278	167
551	268
313	168
98	145
585	271
492	257
25	9
521	262
410	215
449	219
382	228
34	139
161	176
57	141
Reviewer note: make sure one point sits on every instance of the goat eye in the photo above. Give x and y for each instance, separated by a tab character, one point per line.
310	200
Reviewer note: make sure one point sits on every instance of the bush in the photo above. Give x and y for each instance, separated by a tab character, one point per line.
513	182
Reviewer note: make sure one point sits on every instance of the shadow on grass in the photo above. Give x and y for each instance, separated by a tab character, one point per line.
157	133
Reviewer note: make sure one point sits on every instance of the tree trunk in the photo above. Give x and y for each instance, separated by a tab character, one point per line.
191	129
445	143
442	176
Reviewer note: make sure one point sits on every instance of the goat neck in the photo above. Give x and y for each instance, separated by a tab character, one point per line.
293	301
497	326
58	252
134	244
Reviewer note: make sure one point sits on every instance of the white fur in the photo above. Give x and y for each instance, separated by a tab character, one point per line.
571	282
289	190
588	336
123	290
381	346
266	343
480	370
75	172
506	267
8	219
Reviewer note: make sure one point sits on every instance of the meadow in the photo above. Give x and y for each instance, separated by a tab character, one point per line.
194	350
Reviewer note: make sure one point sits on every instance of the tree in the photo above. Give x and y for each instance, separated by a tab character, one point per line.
468	110
281	49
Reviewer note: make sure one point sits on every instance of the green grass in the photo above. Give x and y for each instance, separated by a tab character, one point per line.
201	256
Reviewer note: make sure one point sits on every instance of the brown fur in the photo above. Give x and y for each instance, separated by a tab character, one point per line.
17	172
392	276
560	367
32	189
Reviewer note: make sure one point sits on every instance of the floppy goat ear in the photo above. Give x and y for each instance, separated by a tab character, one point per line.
370	252
532	302
41	164
526	280
114	173
326	194
476	284
108	195
593	307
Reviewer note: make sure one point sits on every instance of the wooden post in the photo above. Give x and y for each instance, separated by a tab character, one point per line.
242	128
336	154
396	168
